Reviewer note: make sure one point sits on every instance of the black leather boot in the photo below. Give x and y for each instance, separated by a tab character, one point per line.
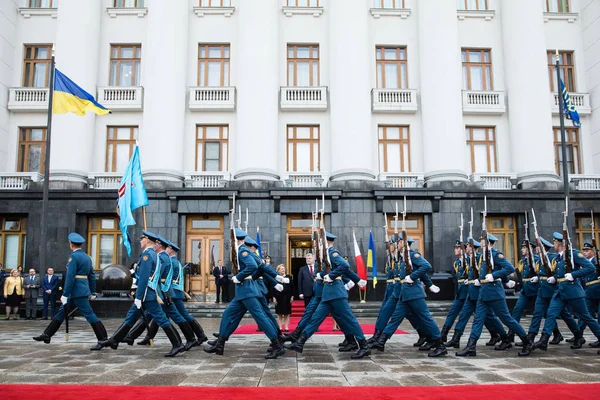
470	350
101	334
528	346
175	340
557	337
216	334
531	336
506	342
152	331
375	336
455	341
351	345
571	340
579	341
298	345
427	346
541	344
199	332
292	337
134	333
115	339
494	340
363	350
440	349
379	344
595	344
188	333
444	334
48	332
276	349
421	341
218	347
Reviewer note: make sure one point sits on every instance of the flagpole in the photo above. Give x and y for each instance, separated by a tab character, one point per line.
563	143
46	183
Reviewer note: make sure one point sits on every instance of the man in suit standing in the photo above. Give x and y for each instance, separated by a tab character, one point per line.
49	286
306	280
32	285
221	279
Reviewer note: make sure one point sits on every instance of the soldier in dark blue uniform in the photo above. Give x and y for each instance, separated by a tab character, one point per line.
459	273
492	297
147	295
569	292
80	285
592	288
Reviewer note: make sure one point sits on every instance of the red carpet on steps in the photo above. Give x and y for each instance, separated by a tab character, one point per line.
466	392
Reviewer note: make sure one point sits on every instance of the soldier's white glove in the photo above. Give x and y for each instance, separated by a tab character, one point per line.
318	276
302	296
489	278
132	270
350	285
64	299
347	287
362	283
138	303
569	277
551	280
93	296
466	282
510	284
280	279
235	279
434	289
326	278
535	279
477	283
408	279
279	287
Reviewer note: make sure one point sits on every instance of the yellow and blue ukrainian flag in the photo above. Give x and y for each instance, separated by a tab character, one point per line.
568	106
372	259
68	97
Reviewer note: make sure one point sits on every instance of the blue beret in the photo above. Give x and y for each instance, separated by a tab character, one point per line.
533	244
149	235
458	242
330	236
393	238
410	240
248	241
173	246
587	246
557	236
240	234
76	238
492	238
475	242
161	240
545	242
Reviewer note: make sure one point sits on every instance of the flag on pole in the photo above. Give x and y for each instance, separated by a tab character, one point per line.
568	106
259	249
371	259
132	195
68	97
360	264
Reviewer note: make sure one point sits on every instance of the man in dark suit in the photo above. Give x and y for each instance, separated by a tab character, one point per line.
221	279
32	285
306	281
49	286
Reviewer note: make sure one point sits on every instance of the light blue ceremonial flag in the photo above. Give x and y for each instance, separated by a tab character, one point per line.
258	243
568	106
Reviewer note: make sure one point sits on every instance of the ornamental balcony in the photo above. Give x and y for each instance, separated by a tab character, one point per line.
306	180
25	99
303	98
212	179
483	102
581	101
402	180
394	100
121	98
212	98
494	181
585	182
19	180
104	180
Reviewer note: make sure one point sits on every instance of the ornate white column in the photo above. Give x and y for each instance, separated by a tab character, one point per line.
164	55
443	128
77	56
528	90
257	80
350	57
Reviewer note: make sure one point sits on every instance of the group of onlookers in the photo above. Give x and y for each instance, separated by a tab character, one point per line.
16	287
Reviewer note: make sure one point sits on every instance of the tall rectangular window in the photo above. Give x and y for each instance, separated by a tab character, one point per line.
561	6
213	65
129	3
43	3
13	236
505	229
303	3
388	3
392	69
215	3
303	148
125	64
32	150
472	5
481	149
212	147
120	142
36	65
573	154
303	65
394	149
477	69
104	237
567	70
584	229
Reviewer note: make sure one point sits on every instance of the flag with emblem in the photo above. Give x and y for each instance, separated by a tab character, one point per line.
568	106
132	195
360	264
372	260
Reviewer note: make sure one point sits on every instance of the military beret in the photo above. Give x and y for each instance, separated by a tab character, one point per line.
492	238
76	238
330	236
240	234
410	240
587	246
161	240
458	243
545	242
149	235
248	241
533	244
173	246
475	242
557	236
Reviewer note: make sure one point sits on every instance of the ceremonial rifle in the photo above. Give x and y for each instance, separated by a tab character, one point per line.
234	247
530	259
485	244
323	238
473	260
388	252
545	259
66	311
595	247
405	249
567	246
246	222
397	255
463	260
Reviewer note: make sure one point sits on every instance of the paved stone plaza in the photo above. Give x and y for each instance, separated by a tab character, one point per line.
24	361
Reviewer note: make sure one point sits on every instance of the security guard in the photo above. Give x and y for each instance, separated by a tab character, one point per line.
569	292
492	323
492	297
80	286
246	299
459	273
147	295
592	288
334	301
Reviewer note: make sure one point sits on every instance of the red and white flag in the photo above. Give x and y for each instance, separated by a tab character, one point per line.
360	264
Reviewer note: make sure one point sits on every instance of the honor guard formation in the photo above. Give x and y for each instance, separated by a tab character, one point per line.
558	280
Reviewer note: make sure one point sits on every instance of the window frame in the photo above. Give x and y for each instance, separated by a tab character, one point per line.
558	4
505	231
572	145
137	4
222	60
472	142
117	254
223	141
580	230
34	4
483	64
294	141
382	131
115	142
289	3
135	80
210	3
381	4
565	70
22	239
23	155
28	79
399	62
295	60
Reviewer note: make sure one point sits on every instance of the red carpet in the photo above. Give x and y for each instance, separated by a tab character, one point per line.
466	392
326	328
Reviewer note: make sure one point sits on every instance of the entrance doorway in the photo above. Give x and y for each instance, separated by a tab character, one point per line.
204	244
299	230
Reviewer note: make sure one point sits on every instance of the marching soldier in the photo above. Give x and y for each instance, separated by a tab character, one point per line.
592	288
80	285
459	273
